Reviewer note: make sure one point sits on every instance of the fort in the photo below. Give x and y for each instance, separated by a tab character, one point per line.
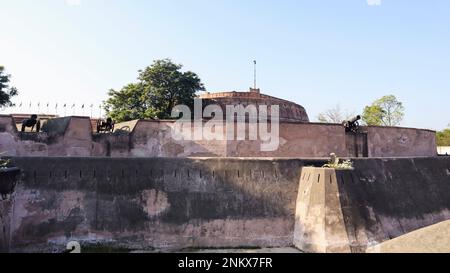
299	138
73	136
138	188
289	111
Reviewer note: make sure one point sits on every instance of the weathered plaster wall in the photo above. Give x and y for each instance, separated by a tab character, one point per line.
8	136
395	142
296	140
72	137
319	221
178	203
389	198
163	203
5	223
155	138
380	200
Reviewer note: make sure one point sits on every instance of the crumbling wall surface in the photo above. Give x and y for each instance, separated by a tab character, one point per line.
295	140
154	202
158	139
5	221
69	136
386	198
397	142
8	136
319	221
111	145
72	136
78	137
222	202
379	200
56	127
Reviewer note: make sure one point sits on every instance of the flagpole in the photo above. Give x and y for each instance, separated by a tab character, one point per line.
254	74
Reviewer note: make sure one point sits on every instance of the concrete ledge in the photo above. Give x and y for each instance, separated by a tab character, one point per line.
319	220
432	239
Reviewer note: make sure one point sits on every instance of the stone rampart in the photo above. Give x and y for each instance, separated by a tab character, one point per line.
72	136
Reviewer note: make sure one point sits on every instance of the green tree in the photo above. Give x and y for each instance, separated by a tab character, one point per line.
387	111
6	92
160	87
443	138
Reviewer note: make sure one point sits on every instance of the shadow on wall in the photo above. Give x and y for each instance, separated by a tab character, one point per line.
389	198
154	203
178	203
380	200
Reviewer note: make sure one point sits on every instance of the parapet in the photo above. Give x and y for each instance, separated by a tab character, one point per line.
73	136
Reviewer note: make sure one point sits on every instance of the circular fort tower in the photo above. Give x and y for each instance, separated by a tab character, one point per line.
289	111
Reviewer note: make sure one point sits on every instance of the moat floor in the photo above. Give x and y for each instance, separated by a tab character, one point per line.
243	250
262	250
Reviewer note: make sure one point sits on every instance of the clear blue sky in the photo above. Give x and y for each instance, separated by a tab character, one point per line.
318	53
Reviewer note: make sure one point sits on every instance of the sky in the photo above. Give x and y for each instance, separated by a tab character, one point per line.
317	53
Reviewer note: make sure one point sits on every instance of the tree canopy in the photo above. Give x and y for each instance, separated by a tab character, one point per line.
443	138
6	92
334	115
160	87
386	111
